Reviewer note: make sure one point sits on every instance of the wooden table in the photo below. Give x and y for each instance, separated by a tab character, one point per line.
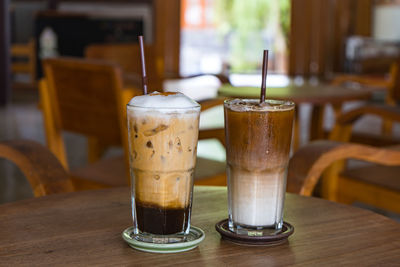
85	229
319	95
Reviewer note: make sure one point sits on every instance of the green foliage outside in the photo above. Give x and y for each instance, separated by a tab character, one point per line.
245	23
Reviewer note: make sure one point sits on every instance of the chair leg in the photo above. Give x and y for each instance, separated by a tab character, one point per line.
387	126
317	120
95	150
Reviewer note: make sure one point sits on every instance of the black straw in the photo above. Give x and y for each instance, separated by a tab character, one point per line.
143	62
264	76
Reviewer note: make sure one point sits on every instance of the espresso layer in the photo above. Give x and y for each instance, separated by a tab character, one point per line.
263	141
161	221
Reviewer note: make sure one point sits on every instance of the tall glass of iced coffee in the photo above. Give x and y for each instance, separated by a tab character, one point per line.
258	138
163	132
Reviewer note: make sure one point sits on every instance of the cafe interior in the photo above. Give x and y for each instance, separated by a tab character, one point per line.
69	68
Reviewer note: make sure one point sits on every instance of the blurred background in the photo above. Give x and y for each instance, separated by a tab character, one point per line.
197	47
215	36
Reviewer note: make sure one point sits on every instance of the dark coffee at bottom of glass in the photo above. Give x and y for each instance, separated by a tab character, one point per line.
161	221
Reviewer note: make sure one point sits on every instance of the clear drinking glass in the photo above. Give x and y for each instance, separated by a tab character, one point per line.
258	139
162	149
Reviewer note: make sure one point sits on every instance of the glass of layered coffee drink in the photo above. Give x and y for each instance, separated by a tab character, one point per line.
258	138
163	132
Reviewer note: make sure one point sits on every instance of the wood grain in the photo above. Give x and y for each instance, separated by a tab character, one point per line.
394	94
318	33
167	16
374	185
85	97
41	168
127	56
309	162
93	104
85	228
383	111
391	84
307	93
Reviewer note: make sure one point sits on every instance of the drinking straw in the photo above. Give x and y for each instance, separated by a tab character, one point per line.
264	76
142	61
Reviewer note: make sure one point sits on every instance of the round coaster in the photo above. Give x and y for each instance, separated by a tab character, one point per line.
196	235
269	240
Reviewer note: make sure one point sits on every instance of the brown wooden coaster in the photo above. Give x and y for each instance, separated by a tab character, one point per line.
269	240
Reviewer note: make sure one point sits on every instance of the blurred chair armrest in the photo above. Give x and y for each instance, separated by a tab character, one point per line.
382	111
210	103
218	133
309	162
41	168
373	81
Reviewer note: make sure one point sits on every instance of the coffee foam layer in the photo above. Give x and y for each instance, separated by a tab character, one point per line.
171	101
245	105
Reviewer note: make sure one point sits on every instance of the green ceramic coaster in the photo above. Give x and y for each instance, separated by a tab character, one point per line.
196	235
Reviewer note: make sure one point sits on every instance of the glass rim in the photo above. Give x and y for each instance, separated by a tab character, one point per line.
284	104
198	106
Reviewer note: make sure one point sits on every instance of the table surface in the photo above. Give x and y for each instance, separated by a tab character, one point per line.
316	94
85	229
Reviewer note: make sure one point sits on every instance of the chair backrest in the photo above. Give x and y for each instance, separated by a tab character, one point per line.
26	52
127	56
342	129
84	97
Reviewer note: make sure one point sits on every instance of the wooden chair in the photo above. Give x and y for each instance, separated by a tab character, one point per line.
86	97
24	61
391	83
41	168
376	185
128	57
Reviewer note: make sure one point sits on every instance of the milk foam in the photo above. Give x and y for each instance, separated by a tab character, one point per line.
245	105
169	101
